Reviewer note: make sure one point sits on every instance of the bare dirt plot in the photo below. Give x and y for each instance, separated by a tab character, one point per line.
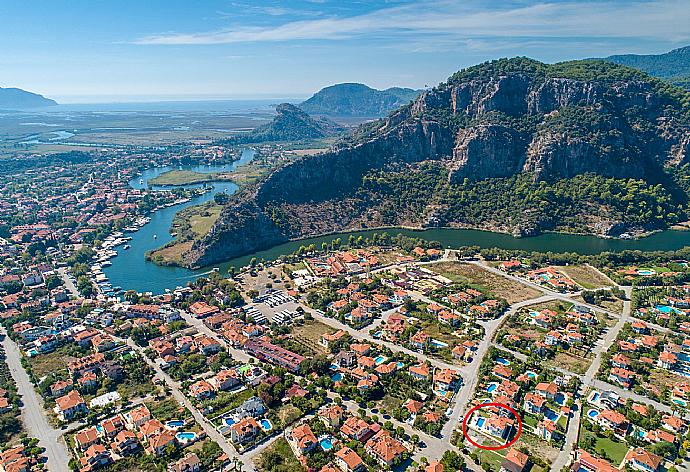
586	276
570	362
615	305
498	285
310	334
663	378
48	363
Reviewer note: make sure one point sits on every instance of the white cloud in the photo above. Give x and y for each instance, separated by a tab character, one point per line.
665	20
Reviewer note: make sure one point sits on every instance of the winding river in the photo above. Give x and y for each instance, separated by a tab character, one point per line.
130	270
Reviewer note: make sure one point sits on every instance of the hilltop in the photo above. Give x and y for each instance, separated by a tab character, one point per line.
352	99
511	145
673	66
14	98
290	124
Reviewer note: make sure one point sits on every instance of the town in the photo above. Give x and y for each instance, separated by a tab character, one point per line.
370	353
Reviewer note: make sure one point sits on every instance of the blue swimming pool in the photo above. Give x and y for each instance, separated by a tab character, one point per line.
550	414
174	424
400	365
337	377
380	360
491	387
667	309
592	413
266	425
531	375
503	361
595	396
437	343
480	422
228	421
186	436
326	444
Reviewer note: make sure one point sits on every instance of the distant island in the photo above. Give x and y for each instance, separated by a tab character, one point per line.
353	99
673	66
14	98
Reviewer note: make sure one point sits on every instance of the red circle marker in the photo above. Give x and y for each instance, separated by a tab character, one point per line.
491	448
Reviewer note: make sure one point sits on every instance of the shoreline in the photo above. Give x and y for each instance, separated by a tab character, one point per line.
419	229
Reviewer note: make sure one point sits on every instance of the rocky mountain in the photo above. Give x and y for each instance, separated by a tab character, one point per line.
17	99
673	66
290	124
512	145
352	99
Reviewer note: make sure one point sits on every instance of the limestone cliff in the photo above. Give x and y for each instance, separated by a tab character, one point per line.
512	145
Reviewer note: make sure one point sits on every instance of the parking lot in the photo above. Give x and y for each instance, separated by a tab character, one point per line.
273	307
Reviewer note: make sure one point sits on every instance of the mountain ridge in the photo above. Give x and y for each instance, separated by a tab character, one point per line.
355	99
16	98
512	145
673	65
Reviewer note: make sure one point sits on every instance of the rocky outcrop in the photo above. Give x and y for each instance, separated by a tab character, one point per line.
499	120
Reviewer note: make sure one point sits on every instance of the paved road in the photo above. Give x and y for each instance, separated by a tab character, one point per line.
68	283
33	417
176	389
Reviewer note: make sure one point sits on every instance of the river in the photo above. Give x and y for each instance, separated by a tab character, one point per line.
130	270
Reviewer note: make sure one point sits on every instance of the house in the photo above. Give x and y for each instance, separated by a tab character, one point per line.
86	438
515	461
125	442
420	340
348	460
332	415
357	429
328	339
502	372
547	390
445	380
202	309
667	360
498	426
94	457
643	460
534	403
420	372
225	379
588	463
384	448
252	406
70	405
613	420
413	406
266	351
137	417
244	430
189	463
345	358
301	439
151	428
622	377
159	443
111	426
674	424
546	430
201	390
61	387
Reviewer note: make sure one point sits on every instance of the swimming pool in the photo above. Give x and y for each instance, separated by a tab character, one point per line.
437	343
550	414
480	422
380	360
266	425
174	424
491	387
595	396
337	377
228	421
646	272
667	309
400	365
680	402
592	413
326	444
503	361
186	436
531	375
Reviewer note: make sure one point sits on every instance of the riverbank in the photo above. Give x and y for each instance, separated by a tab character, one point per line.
179	178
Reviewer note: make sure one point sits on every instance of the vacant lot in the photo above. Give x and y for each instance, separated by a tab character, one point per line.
310	334
586	276
571	362
482	279
278	457
48	363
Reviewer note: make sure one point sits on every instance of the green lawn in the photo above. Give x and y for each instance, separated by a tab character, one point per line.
278	457
493	458
613	450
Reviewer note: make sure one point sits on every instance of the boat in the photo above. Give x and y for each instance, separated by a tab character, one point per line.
155	237
126	246
141	181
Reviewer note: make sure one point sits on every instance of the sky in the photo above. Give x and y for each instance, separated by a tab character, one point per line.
134	50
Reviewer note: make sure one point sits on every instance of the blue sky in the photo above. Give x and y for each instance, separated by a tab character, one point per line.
100	50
